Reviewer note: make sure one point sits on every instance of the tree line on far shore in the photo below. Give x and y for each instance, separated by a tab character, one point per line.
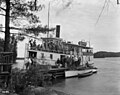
103	54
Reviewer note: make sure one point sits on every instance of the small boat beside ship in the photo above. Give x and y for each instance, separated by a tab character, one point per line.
76	73
86	74
94	71
75	59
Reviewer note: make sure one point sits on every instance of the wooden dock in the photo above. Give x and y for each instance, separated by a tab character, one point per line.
57	72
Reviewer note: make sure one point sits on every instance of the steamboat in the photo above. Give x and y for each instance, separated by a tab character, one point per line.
63	58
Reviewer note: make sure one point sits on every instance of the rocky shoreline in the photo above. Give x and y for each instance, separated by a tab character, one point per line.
31	90
42	91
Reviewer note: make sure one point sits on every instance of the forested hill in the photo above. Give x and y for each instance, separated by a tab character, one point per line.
103	54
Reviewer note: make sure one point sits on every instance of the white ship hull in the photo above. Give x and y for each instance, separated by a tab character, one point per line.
74	73
94	70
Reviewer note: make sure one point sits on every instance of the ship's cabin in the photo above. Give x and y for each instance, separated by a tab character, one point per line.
52	49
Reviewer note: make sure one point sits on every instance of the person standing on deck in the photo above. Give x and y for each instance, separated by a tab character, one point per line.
58	62
34	44
67	62
75	61
31	43
28	63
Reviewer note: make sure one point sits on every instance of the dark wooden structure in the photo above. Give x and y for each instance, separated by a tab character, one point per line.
6	60
57	72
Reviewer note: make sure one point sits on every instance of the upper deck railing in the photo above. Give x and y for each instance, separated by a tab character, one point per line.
57	46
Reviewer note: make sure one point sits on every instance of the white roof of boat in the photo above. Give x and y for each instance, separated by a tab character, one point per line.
52	38
78	45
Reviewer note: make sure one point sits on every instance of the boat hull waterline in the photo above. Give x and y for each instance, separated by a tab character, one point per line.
85	74
74	73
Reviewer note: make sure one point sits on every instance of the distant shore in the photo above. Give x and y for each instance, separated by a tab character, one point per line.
104	54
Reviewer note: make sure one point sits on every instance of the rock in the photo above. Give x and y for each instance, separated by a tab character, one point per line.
44	91
41	91
47	91
28	91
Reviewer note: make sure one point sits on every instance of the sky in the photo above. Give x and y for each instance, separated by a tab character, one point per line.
81	20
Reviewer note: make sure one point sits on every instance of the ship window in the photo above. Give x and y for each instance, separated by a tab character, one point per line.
51	56
87	50
89	58
42	55
32	54
5	68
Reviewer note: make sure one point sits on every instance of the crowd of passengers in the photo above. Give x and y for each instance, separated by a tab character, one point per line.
66	62
49	46
71	62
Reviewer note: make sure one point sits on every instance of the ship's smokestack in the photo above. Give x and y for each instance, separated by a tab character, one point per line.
58	31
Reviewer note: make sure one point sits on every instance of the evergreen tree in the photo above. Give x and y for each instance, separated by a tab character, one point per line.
21	10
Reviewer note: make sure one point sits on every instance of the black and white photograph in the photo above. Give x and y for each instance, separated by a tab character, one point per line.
59	47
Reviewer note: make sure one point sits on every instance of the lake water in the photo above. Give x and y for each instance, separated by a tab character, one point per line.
105	82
